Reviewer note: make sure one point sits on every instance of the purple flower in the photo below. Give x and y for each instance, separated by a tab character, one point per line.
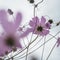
38	26
10	39
58	42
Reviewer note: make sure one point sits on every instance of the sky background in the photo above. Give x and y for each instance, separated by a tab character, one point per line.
48	7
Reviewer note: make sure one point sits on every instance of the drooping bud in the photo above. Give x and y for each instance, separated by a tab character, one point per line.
50	21
58	24
31	1
10	11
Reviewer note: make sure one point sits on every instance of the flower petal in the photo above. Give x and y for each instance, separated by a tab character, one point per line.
3	16
34	21
17	41
43	20
24	34
18	20
47	25
8	26
45	32
18	44
4	19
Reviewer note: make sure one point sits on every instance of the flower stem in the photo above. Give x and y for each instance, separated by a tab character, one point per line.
36	48
43	49
12	58
34	10
27	52
51	51
39	2
42	44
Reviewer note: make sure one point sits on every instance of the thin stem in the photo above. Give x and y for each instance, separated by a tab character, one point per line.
51	51
34	10
39	2
27	53
43	49
31	37
36	43
23	49
36	48
24	43
33	46
41	45
53	36
12	58
13	17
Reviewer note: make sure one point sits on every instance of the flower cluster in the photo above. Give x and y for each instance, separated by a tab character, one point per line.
11	40
38	27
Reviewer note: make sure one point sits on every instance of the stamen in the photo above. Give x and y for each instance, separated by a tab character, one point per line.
10	41
39	28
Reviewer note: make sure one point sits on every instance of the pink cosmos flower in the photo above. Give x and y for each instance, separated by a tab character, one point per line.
38	26
58	42
10	39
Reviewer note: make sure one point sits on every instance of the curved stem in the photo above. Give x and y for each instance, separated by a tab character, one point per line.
31	36
39	2
23	49
41	45
32	46
27	53
36	48
51	51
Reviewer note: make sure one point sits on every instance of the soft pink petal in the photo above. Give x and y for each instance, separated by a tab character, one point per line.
18	20
47	25
34	21
18	44
45	32
43	20
41	34
3	16
32	24
8	26
24	34
4	19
